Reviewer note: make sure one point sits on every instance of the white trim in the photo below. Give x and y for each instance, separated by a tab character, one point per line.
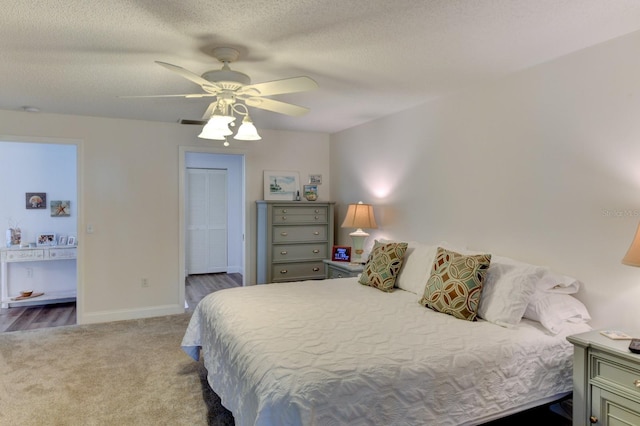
129	314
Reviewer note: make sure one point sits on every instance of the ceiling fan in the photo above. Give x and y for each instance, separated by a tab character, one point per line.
234	92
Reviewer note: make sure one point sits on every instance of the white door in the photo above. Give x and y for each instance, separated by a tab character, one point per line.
206	214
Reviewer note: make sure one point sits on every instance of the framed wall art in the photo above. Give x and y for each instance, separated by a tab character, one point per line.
60	208
281	185
36	200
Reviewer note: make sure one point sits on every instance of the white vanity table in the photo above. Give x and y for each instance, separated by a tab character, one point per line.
36	254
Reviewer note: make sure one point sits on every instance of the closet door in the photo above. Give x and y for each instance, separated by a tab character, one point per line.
206	214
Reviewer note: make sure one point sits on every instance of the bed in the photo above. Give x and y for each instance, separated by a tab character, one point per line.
336	352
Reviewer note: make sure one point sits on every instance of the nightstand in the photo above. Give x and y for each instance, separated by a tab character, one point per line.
606	381
334	269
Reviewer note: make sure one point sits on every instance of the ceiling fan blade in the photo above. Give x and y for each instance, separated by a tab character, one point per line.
278	87
189	75
188	96
276	106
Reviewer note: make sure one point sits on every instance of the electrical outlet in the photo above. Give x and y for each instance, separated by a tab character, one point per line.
29	272
144	283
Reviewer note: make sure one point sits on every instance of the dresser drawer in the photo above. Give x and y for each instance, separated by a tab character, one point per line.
297	271
299	210
300	218
302	233
24	255
608	370
63	253
287	252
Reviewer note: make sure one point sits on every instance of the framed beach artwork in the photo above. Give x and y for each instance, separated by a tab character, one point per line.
36	200
281	185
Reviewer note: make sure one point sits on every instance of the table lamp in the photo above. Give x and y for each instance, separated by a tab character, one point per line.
632	258
359	216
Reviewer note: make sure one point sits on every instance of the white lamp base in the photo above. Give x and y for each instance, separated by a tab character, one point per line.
358	238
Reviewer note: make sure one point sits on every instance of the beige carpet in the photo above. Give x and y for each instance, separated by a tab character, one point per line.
120	373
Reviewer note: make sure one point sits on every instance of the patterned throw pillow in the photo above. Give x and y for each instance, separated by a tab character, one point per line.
383	265
455	283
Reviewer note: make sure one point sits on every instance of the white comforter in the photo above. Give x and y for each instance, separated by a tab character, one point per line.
335	352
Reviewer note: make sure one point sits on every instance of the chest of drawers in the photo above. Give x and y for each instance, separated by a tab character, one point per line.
293	238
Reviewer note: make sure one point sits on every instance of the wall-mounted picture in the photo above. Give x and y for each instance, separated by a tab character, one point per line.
281	185
71	241
315	179
47	239
341	254
62	240
36	200
60	208
311	192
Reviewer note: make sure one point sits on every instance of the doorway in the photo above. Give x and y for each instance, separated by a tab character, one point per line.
53	172
214	163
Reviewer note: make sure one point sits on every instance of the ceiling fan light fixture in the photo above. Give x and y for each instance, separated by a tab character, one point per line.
217	127
247	131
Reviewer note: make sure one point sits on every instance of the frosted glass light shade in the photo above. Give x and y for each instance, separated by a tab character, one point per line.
632	258
217	127
247	131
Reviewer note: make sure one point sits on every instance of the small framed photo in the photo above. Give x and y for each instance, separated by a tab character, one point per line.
341	254
48	239
62	240
36	200
281	185
71	241
315	179
310	192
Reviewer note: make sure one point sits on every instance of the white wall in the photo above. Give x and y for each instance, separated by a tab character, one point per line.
543	166
128	192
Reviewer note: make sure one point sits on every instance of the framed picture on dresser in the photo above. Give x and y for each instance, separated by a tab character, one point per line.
281	185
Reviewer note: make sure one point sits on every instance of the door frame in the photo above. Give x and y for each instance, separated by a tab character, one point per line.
183	150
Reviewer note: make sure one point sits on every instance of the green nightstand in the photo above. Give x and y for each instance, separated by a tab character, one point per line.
333	269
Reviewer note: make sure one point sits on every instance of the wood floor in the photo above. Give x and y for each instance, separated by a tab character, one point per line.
55	315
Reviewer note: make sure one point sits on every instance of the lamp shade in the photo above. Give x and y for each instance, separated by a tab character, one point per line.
360	216
217	127
632	258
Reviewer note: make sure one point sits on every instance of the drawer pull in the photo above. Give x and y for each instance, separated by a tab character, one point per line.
283	252
316	269
593	419
284	218
316	233
339	276
317	211
283	271
636	382
284	234
317	217
316	251
284	211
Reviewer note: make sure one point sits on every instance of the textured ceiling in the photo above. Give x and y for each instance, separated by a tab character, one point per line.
371	58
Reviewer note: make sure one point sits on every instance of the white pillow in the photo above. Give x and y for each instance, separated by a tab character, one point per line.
416	267
507	290
552	310
556	283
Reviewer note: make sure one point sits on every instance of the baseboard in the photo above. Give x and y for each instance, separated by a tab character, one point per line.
129	314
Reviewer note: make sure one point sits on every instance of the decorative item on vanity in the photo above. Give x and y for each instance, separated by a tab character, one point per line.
311	192
359	216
